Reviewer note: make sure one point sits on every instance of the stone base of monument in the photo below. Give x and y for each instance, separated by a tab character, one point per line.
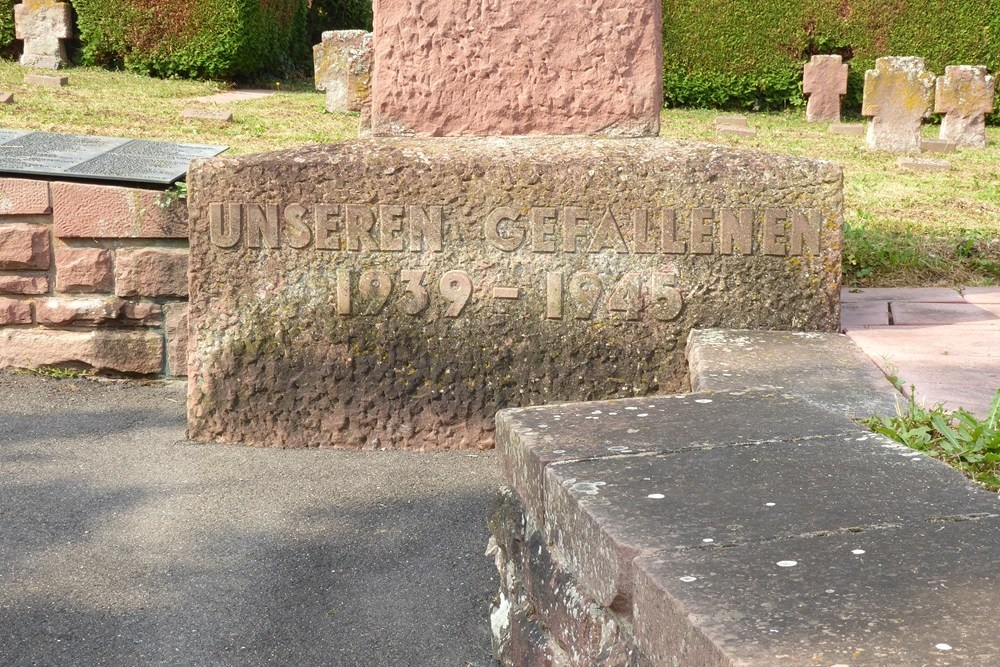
737	527
397	293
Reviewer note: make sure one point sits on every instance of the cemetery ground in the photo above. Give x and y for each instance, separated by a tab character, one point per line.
902	228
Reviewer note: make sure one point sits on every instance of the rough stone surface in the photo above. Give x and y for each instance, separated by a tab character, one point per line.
46	80
22	196
63	312
899	94
142	312
825	369
24	247
13	311
20	284
471	67
400	292
137	352
342	65
965	94
84	270
151	272
177	339
81	210
824	79
43	24
526	442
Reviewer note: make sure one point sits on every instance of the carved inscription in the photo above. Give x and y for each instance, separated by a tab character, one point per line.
359	228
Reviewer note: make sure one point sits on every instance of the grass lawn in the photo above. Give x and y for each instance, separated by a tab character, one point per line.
902	228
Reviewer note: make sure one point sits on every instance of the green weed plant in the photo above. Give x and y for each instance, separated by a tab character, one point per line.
957	437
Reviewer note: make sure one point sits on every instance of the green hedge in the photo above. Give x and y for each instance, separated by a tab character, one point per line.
749	53
213	39
6	27
338	15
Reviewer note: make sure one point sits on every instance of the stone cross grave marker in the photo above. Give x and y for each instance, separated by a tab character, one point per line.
43	24
824	80
342	65
965	94
899	94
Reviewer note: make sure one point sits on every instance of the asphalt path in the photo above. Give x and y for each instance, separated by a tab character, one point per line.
121	543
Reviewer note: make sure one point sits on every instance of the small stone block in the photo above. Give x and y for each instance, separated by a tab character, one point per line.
61	312
13	311
6	98
863	314
22	196
740	131
81	210
24	247
47	80
201	114
824	79
84	270
938	146
848	129
24	284
151	272
732	121
133	352
922	164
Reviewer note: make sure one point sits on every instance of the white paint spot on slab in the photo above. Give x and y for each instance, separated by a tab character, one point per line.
656	496
831	590
787	563
858	552
942	647
642	414
632	430
688	580
768	504
707	540
703	400
597	412
631	407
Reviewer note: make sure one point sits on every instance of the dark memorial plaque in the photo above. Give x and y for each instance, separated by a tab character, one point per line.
98	158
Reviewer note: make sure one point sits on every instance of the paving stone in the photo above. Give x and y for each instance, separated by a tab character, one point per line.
151	272
981	295
24	246
965	94
529	439
84	270
824	79
23	196
899	94
13	311
922	164
204	114
828	370
906	313
81	210
46	80
925	294
603	513
937	146
920	595
852	130
860	314
21	284
137	352
736	120
64	312
740	131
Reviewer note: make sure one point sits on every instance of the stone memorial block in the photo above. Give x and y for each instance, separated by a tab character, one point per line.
965	95
43	24
397	293
899	94
343	66
824	80
518	67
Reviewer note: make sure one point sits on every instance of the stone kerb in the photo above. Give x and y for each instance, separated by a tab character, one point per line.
468	67
342	65
898	94
965	94
87	273
824	79
43	24
396	293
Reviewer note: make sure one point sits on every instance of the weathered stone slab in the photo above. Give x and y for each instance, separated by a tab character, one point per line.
912	596
937	146
207	114
151	272
824	79
342	65
24	247
47	81
82	210
965	94
825	369
13	311
922	164
732	120
501	68
736	130
43	24
529	439
899	94
848	130
139	352
84	270
398	293
22	196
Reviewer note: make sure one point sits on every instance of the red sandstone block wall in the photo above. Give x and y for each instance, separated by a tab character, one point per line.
92	276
